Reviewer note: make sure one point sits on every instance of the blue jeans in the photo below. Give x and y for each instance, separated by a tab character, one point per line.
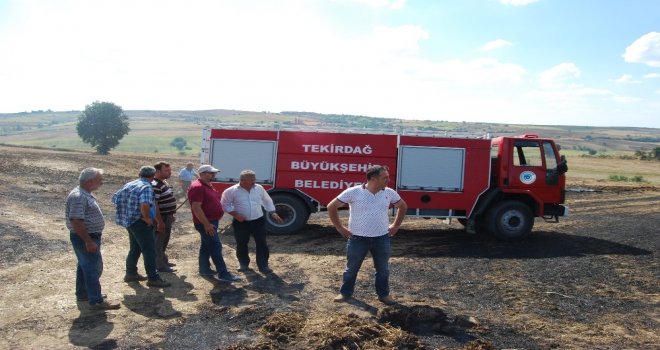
89	270
142	240
242	232
210	247
357	248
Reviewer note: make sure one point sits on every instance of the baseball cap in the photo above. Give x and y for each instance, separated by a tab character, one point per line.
207	169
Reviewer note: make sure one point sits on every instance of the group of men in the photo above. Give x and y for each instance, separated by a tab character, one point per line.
146	208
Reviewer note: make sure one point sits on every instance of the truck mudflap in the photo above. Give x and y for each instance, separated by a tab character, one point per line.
552	212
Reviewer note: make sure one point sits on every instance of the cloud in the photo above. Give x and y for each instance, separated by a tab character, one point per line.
645	50
403	39
561	84
559	76
476	72
392	4
496	44
518	2
652	76
626	79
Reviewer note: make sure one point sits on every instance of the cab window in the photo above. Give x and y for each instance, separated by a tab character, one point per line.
526	153
550	158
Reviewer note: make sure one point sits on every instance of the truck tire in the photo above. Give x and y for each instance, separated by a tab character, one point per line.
510	220
292	210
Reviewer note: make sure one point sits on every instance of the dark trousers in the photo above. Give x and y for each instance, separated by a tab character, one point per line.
242	232
162	240
142	240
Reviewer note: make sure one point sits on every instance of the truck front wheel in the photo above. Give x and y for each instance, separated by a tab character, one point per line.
293	212
510	220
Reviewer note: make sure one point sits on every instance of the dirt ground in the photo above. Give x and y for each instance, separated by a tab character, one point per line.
590	281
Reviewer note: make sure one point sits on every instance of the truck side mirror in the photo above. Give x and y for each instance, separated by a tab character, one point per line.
562	167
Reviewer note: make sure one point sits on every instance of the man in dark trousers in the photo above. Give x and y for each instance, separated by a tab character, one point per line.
136	211
244	201
166	205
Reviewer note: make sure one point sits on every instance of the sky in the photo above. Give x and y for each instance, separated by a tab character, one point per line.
544	62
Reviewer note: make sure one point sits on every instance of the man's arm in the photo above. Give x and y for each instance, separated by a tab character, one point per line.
196	208
80	229
160	223
333	213
227	202
402	208
145	210
268	204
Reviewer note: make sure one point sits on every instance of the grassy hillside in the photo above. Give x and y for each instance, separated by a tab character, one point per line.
152	132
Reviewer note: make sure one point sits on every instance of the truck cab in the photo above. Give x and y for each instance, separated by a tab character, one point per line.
527	180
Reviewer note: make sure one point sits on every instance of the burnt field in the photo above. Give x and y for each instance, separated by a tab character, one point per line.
588	282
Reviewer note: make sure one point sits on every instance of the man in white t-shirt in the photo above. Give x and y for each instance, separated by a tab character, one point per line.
369	229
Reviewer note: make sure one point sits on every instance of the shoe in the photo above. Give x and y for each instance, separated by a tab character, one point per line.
244	268
167	269
104	306
160	283
341	298
266	270
228	277
87	299
387	300
171	264
134	278
207	274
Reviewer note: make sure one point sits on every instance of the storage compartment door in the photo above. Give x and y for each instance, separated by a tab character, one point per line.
233	156
431	168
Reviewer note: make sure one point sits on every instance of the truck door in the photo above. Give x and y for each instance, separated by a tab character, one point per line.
533	167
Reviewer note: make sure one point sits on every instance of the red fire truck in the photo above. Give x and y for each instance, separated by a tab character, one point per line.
496	186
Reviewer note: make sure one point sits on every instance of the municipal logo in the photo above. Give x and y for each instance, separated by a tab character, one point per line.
527	177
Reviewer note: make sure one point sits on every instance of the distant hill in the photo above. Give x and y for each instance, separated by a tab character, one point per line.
152	131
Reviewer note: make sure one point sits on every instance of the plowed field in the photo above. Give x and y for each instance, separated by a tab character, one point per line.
590	281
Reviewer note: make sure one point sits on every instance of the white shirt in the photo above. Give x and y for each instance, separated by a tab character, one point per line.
248	204
368	212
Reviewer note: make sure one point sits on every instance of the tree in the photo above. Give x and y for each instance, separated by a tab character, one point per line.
102	125
179	142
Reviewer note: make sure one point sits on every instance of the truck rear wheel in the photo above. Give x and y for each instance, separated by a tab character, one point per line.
292	210
510	220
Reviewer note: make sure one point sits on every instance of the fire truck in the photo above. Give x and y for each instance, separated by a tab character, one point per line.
496	186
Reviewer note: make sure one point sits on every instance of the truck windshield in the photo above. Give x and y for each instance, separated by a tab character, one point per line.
526	153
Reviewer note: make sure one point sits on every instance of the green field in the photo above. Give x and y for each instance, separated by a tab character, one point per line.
153	131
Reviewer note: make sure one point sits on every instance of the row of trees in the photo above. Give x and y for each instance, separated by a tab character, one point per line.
653	154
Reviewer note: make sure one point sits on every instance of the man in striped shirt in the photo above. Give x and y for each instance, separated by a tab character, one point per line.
166	208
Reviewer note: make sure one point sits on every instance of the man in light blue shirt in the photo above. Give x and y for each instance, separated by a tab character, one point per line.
186	176
244	201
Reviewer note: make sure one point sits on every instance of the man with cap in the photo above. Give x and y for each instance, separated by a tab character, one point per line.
136	211
207	212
